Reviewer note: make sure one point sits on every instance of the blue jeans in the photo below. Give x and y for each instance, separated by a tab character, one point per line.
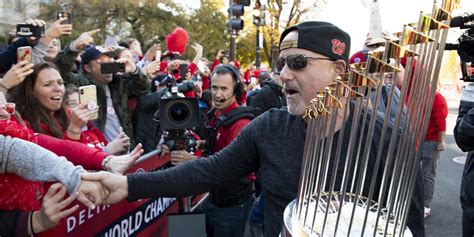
226	221
429	161
256	218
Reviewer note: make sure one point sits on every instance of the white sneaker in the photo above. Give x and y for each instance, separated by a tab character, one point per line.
427	212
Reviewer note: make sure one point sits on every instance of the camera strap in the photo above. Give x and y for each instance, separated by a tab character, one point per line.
226	120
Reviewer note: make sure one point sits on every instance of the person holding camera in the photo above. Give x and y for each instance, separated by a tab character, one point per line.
228	207
113	89
464	136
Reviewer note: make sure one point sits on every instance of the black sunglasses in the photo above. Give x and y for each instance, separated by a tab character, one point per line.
295	61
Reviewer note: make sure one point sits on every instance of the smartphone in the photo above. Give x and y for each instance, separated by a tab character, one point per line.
111	42
225	54
88	94
183	70
108	68
65	14
25	30
23	54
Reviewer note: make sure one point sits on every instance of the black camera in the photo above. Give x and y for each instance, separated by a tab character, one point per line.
26	30
465	46
177	115
108	68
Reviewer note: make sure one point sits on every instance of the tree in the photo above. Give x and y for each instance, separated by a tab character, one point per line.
207	26
278	21
147	20
125	18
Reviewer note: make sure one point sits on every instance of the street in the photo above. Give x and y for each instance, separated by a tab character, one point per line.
446	208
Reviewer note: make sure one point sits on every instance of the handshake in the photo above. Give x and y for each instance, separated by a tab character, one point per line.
95	189
102	188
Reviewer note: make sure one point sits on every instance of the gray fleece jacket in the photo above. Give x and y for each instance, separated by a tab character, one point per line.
35	163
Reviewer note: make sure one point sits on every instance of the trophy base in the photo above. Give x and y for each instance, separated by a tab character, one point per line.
304	227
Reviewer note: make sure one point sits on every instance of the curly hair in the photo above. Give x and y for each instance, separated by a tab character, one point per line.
31	109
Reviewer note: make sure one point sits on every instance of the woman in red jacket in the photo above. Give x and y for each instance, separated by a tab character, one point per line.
19	194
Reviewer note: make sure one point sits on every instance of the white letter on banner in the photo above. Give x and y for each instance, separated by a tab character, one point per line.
147	213
138	221
81	217
89	213
71	223
159	208
116	229
153	210
124	225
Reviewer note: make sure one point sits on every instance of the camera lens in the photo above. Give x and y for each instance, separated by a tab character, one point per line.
179	112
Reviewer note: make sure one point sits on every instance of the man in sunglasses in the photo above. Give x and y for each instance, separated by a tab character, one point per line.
312	55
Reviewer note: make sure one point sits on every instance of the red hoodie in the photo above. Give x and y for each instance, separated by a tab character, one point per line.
439	113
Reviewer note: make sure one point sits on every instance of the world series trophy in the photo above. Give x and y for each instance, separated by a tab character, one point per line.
358	180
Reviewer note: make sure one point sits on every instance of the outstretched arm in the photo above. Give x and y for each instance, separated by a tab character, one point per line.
192	177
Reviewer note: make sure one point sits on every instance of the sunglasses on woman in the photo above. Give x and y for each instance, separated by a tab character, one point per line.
296	61
8	108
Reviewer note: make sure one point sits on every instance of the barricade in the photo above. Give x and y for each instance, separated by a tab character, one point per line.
146	217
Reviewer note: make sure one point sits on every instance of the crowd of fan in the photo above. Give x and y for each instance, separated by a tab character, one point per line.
40	103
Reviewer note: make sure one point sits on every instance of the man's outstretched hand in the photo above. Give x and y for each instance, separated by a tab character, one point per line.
91	193
115	184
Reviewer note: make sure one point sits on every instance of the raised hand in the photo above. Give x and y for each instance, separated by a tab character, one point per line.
119	145
129	64
35	22
198	89
199	50
174	65
151	53
17	74
79	116
120	164
84	39
116	185
91	193
152	68
57	29
53	208
219	54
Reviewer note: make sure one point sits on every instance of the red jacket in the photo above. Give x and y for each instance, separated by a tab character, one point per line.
439	113
205	82
20	194
225	135
92	137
